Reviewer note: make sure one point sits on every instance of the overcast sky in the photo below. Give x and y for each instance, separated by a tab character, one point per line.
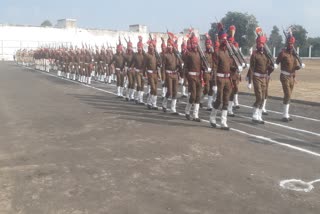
160	15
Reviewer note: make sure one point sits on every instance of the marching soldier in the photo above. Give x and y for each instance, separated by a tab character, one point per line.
130	72
137	67
151	65
170	66
118	61
235	77
259	72
193	65
289	66
207	75
223	64
163	72
184	81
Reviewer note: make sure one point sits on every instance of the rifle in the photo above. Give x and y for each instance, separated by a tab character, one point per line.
258	33
293	48
175	50
234	57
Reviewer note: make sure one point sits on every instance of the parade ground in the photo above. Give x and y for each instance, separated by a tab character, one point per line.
70	148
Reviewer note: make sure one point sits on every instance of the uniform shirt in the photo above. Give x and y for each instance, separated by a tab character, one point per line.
288	61
222	61
193	62
118	60
259	63
128	59
170	62
209	57
137	61
150	62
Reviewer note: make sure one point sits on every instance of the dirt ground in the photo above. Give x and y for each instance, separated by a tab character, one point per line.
307	83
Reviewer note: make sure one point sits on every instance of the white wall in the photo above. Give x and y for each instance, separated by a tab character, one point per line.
13	38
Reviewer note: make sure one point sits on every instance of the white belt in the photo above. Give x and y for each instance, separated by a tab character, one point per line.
193	73
137	70
118	69
208	71
150	71
260	75
223	75
286	73
170	72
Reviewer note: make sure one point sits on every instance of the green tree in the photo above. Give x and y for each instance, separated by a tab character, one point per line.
46	23
245	28
315	42
300	34
275	40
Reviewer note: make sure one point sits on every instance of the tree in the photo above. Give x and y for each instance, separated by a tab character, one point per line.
46	23
300	34
275	40
245	28
315	42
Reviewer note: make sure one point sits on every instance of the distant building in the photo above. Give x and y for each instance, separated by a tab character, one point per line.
66	23
138	28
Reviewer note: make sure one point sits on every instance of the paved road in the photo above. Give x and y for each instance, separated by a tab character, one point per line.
69	148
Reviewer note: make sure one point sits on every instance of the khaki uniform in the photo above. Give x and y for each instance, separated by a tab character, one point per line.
289	65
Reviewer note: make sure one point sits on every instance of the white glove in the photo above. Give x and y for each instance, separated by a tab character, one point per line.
248	66
303	65
209	69
240	69
162	82
215	89
182	64
249	86
243	64
275	66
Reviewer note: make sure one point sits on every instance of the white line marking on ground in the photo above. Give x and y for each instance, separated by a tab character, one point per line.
284	126
298	185
293	115
181	114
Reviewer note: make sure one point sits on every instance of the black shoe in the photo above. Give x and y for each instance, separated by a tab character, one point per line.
201	105
225	128
261	122
290	119
213	125
154	108
265	113
236	107
231	115
127	99
209	109
197	119
141	103
184	96
286	120
164	109
174	113
188	117
149	107
255	121
136	102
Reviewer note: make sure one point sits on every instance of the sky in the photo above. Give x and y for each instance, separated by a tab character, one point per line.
158	16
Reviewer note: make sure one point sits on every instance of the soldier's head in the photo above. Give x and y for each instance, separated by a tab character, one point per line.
170	45
290	42
140	47
222	35
163	46
208	42
260	42
129	46
183	46
194	43
151	48
119	48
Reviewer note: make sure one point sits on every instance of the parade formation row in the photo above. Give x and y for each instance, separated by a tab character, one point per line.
214	72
